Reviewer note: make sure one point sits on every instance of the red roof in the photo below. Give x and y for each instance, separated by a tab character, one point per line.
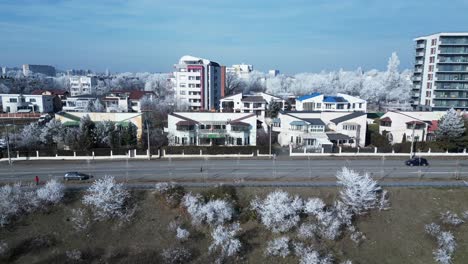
386	119
53	92
433	126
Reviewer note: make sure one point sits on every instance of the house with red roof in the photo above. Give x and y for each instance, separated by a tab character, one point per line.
126	101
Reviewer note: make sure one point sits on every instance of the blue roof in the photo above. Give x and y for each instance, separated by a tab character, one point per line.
308	96
334	99
298	123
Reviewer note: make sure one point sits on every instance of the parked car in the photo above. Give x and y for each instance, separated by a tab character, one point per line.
76	176
417	161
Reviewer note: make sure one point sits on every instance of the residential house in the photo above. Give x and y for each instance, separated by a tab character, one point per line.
27	103
126	101
78	103
209	128
339	103
59	97
408	126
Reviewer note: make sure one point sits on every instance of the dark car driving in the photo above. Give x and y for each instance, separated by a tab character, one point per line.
76	176
417	161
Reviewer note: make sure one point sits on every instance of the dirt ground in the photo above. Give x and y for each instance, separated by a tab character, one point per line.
393	236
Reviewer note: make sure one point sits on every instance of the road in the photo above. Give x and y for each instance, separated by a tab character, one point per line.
237	170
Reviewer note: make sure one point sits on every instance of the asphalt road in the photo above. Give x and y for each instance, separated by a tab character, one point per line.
236	170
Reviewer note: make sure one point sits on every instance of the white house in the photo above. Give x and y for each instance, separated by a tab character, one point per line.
209	128
27	103
316	129
78	103
82	85
339	103
398	125
126	101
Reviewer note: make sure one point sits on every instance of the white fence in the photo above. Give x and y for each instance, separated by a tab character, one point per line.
376	153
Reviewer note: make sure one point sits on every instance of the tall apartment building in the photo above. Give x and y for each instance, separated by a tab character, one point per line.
82	85
199	82
42	69
440	80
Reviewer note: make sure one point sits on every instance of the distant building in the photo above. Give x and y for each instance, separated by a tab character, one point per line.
209	129
78	103
126	101
408	126
75	72
82	85
41	69
338	103
273	73
59	97
199	83
440	80
241	70
27	103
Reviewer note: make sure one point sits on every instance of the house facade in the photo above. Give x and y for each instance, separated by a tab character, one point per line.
126	101
82	85
408	126
209	129
256	103
78	103
339	103
27	103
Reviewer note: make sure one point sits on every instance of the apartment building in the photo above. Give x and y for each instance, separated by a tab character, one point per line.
440	80
82	85
47	70
27	103
79	103
209	128
199	83
339	103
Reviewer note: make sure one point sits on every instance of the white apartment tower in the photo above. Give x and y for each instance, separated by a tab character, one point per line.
440	80
82	85
199	83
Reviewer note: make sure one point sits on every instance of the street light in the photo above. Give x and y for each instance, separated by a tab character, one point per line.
269	122
8	142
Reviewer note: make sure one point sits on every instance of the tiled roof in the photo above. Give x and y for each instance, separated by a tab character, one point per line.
253	99
334	99
386	119
314	121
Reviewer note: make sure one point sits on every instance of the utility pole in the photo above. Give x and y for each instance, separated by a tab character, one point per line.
412	138
148	136
270	141
8	144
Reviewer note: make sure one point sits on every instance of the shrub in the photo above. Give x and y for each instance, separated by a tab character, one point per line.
182	234
451	218
279	211
278	247
52	192
214	212
172	192
307	255
176	255
107	198
445	241
307	231
79	219
224	238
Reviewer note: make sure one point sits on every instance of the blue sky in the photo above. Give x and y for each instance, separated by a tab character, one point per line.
151	35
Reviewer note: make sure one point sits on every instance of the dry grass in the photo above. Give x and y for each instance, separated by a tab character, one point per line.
394	236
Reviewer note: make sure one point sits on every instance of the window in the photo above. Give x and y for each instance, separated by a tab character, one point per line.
328	106
340	106
182	85
434	42
428	102
247	105
298	140
292	139
428	93
429	85
429	77
319	105
431	68
13	100
239	141
432	59
182	92
360	105
433	51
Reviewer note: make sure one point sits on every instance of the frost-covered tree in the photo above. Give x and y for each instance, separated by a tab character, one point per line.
214	212
225	239
445	241
360	193
308	255
10	197
314	206
107	198
451	218
307	231
278	247
451	125
182	234
106	134
86	136
52	133
31	136
52	192
279	211
234	84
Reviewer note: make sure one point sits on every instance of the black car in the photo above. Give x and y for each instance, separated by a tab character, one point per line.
417	161
76	176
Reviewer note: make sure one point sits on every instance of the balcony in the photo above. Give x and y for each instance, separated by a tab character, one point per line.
421	46
417	78
418	70
419	54
419	62
417	87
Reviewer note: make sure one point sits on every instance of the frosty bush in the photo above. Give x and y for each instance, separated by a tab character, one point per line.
307	255
332	220
306	231
445	241
451	218
74	254
52	192
224	238
279	211
79	219
172	192
278	247
10	197
176	255
314	206
182	234
214	212
360	193
107	198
